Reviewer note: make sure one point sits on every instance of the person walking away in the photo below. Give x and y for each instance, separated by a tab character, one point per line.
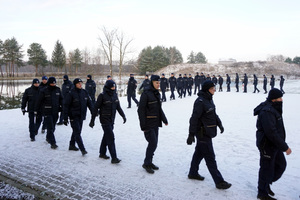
90	87
173	84
106	106
270	141
220	83
75	106
43	85
272	81
131	87
185	84
65	89
29	100
214	80
163	86
180	86
237	80
203	124
151	116
255	82
228	82
197	80
190	84
281	84
265	84
202	79
145	83
245	82
50	99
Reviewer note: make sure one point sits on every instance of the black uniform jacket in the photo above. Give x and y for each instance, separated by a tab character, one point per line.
76	103
50	100
270	128
172	81
150	112
106	105
29	98
90	87
204	116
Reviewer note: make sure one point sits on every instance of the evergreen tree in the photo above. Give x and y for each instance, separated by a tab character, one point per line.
1	57
288	60
200	58
296	60
145	60
37	56
77	59
59	55
174	55
160	58
191	58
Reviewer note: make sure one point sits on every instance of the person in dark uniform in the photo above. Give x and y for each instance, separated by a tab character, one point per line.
185	84
42	86
272	81
173	84
255	82
107	104
220	83
146	83
90	87
151	117
265	83
202	79
245	82
270	140
197	80
281	84
28	100
208	78
237	80
50	99
214	79
228	82
163	86
180	86
203	124
190	84
65	89
131	87
75	106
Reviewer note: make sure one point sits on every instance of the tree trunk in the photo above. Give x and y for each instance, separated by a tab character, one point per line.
13	69
1	71
36	70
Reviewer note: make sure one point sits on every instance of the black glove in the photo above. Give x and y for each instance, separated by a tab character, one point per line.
221	128
124	120
92	124
66	122
23	111
190	140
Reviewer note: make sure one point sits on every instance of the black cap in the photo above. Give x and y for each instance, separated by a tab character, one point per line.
89	76
66	77
44	78
35	81
163	74
77	80
274	94
207	85
51	80
108	76
146	75
109	84
155	78
172	73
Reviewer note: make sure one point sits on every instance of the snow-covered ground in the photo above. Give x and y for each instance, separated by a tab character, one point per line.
67	174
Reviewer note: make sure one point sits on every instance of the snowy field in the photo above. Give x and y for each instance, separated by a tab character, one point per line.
69	175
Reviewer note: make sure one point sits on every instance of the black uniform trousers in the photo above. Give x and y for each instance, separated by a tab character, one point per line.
172	93
265	88
245	88
131	96
163	95
272	166
197	89
44	124
189	89
184	91
237	87
50	123
76	125
108	140
34	124
228	87
255	88
152	138
180	92
204	149
220	88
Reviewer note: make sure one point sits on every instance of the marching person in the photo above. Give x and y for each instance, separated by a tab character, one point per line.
146	83
228	82
190	85
203	124
90	87
220	80
270	140
107	104
272	81
197	80
75	106
245	82
265	83
163	86
151	117
65	89
255	82
180	86
237	82
185	84
50	100
42	86
28	100
281	84
173	84
131	87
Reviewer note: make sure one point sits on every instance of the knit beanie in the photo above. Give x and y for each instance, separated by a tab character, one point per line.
35	81
274	94
207	85
109	84
77	80
51	80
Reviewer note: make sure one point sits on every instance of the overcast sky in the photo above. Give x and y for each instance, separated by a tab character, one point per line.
244	30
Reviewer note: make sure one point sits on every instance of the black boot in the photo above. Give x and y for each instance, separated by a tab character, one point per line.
223	185
148	169
265	197
73	148
154	166
270	191
104	156
54	146
115	160
83	152
196	177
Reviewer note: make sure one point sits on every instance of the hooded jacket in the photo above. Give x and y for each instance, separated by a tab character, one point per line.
204	116
150	111
270	128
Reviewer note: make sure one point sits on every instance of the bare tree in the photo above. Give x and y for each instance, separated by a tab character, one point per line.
276	58
107	44
123	44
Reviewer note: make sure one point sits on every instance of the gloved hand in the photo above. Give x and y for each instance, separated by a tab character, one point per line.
23	111
124	120
92	124
190	140
66	122
221	128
